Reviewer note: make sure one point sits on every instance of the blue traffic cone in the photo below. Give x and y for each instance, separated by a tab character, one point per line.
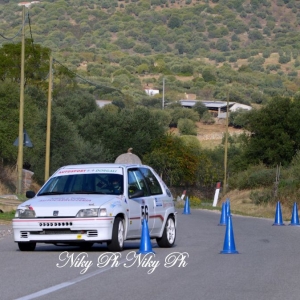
223	218
186	210
295	217
229	245
145	246
228	212
278	215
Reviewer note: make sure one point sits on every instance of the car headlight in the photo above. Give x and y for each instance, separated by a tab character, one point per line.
25	213
86	213
102	212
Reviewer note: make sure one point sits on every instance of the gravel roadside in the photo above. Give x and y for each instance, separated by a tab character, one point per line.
5	229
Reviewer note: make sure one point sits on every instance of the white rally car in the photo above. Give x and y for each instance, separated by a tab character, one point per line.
94	203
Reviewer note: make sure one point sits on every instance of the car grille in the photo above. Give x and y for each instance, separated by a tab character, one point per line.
24	234
55	224
56	231
89	233
92	233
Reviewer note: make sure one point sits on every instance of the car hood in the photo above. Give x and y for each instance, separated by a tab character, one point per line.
66	205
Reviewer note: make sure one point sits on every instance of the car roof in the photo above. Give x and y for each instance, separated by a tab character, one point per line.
106	165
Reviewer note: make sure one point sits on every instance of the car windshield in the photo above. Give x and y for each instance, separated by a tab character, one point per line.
84	184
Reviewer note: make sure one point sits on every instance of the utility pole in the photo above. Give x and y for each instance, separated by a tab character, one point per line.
21	117
226	147
163	98
47	162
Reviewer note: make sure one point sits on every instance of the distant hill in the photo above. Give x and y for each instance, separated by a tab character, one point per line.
166	38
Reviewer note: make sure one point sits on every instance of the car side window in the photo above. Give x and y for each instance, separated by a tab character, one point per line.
57	184
136	182
152	182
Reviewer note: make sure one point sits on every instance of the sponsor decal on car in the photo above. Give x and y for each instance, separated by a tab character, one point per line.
105	171
158	202
116	203
65	199
170	204
71	171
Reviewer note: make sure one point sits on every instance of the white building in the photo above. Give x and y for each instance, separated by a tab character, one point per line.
219	107
151	92
102	103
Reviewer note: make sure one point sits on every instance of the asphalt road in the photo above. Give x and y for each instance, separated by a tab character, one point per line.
266	267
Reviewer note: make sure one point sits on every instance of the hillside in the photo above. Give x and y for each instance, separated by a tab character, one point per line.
199	46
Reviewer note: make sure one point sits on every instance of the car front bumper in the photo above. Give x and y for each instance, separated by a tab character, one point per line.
63	230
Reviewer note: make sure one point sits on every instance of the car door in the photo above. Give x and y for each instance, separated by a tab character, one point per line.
157	197
139	207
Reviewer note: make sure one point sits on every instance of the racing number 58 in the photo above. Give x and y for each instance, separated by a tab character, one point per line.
144	211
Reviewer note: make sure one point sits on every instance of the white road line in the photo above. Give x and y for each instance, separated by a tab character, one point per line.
67	283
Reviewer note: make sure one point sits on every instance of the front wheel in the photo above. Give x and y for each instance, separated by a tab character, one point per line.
26	246
169	235
118	233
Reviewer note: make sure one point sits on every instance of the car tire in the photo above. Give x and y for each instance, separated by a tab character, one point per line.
27	246
118	233
168	237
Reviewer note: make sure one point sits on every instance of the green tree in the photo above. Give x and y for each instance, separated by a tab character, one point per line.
119	130
273	132
200	108
239	118
174	22
187	127
36	62
183	113
207	118
9	120
175	162
208	75
75	104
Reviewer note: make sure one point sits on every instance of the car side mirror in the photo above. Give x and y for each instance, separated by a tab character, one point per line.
30	194
137	194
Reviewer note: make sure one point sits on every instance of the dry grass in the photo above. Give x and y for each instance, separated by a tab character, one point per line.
240	203
211	136
210	144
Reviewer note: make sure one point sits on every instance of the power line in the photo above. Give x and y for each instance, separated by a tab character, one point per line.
88	81
29	23
82	78
17	34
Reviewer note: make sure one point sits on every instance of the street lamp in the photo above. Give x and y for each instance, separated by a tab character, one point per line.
21	117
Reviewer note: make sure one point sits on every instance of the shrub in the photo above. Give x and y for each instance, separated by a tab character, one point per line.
187	127
207	118
264	177
194	201
261	197
254	177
